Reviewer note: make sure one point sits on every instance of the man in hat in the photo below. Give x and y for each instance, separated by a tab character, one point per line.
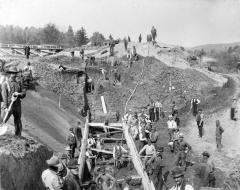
125	42
72	141
178	176
149	152
50	177
172	125
199	120
106	178
194	106
27	50
91	141
234	109
140	38
219	132
12	93
118	151
154	136
154	34
155	167
72	181
208	170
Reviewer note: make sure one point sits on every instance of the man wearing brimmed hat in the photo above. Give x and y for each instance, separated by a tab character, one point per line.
12	89
155	168
207	173
105	178
50	177
178	176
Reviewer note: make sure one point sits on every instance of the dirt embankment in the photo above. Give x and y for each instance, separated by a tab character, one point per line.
22	161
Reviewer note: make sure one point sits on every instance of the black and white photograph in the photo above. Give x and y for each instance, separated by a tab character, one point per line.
119	94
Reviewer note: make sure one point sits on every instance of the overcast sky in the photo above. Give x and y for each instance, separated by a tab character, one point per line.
182	22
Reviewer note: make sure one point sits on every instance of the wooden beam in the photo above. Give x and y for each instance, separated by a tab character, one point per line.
103	151
113	132
103	105
133	178
82	154
146	183
113	139
20	52
102	124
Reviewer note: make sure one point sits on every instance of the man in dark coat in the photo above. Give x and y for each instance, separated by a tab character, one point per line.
27	51
72	141
12	94
194	106
140	38
125	43
155	168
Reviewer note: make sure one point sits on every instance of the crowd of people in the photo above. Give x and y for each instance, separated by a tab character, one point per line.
144	128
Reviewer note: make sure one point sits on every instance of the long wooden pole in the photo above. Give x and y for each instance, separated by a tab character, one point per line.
146	183
82	154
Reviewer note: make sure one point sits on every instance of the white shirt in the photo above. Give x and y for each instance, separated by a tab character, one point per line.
91	142
118	147
171	124
51	180
187	187
158	105
149	149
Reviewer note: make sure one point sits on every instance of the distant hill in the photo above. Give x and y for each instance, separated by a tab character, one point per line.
216	47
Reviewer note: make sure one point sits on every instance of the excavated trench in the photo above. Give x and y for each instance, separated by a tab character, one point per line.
187	83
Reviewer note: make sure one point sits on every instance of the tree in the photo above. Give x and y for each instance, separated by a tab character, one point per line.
97	39
69	37
81	37
50	34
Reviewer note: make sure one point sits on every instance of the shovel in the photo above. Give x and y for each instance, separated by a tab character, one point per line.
3	126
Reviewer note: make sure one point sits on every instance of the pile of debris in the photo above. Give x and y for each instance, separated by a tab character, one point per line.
22	160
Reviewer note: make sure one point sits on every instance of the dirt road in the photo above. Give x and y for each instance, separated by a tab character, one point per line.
231	143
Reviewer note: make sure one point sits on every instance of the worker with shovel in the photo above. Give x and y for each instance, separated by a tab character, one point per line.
12	94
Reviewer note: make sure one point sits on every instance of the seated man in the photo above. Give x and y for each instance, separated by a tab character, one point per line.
107	181
91	141
118	151
149	152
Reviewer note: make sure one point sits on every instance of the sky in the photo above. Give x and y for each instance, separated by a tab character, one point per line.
181	22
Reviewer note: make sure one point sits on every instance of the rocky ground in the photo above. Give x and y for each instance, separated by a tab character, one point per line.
47	116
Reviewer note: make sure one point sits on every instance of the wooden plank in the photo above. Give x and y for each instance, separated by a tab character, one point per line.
102	124
146	183
18	51
82	155
133	178
103	105
112	139
103	151
113	132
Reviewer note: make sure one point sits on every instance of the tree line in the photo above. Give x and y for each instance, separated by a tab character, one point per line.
49	34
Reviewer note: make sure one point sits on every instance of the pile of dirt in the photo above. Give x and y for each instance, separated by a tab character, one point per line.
155	83
21	162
